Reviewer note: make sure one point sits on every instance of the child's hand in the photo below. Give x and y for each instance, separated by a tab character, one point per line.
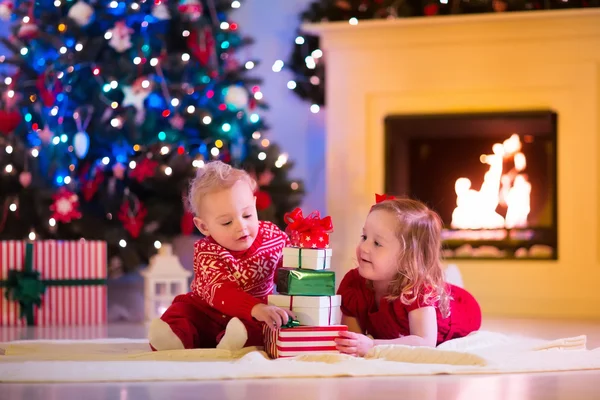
354	344
273	316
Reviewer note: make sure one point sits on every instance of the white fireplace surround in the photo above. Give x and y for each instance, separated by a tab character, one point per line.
471	63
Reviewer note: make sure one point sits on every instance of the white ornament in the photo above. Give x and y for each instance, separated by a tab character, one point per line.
81	13
161	11
120	37
192	9
135	98
6	9
237	97
81	144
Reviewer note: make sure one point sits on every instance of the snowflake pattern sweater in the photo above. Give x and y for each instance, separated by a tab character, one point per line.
234	282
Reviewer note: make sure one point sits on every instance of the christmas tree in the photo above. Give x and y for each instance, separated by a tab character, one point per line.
108	109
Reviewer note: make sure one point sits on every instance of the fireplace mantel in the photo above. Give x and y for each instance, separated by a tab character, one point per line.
473	63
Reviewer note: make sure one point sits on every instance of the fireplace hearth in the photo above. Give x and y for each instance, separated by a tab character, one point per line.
490	176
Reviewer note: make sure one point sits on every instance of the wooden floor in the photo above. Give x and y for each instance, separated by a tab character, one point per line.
571	385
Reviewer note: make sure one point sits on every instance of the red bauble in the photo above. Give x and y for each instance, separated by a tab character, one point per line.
201	44
431	9
187	223
263	200
9	121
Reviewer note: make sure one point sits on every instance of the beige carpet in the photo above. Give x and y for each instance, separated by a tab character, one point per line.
130	360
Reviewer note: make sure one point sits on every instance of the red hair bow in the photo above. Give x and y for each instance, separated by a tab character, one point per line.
383	197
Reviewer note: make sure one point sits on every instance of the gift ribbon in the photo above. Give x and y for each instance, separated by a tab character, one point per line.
297	223
330	307
291	323
26	287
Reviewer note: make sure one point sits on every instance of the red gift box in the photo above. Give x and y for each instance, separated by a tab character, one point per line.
302	340
70	282
311	232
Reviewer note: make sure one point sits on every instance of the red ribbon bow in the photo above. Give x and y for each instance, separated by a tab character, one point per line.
296	222
383	197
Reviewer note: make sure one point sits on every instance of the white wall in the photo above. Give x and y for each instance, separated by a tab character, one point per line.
273	25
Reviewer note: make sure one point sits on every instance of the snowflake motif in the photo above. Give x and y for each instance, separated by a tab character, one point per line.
216	269
321	239
64	206
307	239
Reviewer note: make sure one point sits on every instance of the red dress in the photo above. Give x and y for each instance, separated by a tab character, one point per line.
390	320
227	284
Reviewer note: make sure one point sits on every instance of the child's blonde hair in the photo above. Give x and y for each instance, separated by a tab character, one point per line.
420	273
215	176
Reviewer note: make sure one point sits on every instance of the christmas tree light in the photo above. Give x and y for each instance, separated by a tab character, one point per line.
109	107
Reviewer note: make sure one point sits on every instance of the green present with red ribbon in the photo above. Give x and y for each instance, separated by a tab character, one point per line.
310	232
52	283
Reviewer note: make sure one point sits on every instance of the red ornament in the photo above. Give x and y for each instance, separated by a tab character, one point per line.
431	9
48	93
201	44
66	206
263	200
144	169
9	121
133	222
89	187
187	223
25	179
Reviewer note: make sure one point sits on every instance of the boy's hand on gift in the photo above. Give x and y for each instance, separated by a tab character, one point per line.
355	344
273	316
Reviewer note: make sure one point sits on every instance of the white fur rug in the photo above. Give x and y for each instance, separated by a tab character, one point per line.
130	360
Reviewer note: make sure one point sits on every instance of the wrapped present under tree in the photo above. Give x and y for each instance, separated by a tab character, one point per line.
49	283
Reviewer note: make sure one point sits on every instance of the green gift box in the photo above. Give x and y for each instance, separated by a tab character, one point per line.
305	282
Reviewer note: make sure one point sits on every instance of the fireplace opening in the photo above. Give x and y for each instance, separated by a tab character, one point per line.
490	176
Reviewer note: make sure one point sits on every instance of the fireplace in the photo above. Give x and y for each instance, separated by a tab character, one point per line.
490	176
545	60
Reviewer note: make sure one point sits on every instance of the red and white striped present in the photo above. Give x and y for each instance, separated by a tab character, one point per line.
74	273
301	340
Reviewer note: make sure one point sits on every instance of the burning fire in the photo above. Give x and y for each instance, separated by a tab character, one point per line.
477	209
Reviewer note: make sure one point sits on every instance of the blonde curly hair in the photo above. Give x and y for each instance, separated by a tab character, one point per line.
214	176
420	272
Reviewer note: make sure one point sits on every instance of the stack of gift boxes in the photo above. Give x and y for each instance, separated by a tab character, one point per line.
306	286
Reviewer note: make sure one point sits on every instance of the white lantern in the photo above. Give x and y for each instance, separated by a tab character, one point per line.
164	279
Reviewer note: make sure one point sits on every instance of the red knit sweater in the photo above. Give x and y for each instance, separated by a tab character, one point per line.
233	282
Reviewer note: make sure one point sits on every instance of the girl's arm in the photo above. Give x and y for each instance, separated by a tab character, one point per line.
423	329
351	323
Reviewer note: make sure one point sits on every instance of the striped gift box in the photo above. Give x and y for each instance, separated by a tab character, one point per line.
301	340
74	276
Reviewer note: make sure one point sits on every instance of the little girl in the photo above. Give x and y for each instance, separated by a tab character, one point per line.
397	295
